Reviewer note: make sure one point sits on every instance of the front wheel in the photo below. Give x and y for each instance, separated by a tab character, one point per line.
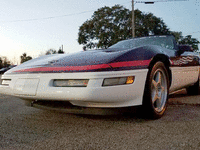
156	91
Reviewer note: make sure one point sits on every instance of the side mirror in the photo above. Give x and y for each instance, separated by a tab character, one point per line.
184	48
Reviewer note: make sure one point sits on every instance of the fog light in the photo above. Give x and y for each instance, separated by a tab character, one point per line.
118	81
70	82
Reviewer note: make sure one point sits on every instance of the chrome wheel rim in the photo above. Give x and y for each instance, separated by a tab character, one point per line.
159	90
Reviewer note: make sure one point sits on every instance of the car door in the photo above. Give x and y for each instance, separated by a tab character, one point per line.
185	69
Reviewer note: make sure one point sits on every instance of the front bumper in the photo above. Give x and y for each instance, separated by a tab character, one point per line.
39	87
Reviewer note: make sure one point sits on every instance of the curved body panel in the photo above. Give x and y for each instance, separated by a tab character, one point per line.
130	59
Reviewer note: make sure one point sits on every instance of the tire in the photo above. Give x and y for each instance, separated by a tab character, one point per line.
156	91
194	89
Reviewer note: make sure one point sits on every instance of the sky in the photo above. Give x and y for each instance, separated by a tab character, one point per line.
35	26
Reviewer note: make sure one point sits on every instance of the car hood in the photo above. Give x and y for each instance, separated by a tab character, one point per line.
94	60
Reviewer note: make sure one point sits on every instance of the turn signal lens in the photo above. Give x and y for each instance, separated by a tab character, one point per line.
130	80
118	81
70	82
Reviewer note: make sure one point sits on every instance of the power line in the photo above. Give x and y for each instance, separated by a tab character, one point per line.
67	15
152	2
53	17
195	32
45	18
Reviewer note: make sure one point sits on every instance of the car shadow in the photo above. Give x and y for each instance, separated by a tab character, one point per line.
135	114
179	93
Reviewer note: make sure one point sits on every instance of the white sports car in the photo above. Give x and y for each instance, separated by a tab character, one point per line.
139	71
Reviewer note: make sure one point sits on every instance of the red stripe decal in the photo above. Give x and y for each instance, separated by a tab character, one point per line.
66	68
130	63
88	67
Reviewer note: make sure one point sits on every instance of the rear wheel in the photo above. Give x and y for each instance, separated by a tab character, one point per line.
156	91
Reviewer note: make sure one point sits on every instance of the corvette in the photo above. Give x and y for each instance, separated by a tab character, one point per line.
140	71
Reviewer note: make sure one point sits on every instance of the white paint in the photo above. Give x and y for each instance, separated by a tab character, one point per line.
94	95
183	76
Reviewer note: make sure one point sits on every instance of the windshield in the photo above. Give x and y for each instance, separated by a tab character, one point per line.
163	41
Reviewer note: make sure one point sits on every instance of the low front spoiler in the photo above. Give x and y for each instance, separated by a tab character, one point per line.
66	107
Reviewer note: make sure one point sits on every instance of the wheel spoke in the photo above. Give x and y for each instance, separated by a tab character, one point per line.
162	89
154	83
157	103
159	77
155	97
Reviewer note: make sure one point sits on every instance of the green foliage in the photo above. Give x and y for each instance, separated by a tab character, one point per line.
25	58
178	35
50	51
60	51
106	27
4	62
187	40
53	51
110	25
147	24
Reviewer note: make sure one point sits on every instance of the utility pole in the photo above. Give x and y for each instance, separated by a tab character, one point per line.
145	2
133	20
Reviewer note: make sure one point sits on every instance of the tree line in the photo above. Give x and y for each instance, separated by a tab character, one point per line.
108	25
4	62
25	58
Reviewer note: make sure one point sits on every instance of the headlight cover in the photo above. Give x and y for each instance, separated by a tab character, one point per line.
118	81
70	82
